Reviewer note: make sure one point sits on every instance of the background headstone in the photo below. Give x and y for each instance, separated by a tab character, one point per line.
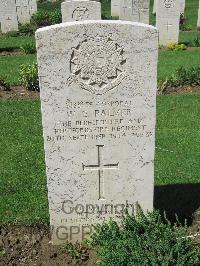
32	6
135	10
8	16
80	10
98	82
154	6
167	21
182	6
198	21
115	8
23	12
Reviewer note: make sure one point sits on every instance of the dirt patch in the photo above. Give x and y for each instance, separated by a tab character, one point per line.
181	90
18	92
11	53
27	246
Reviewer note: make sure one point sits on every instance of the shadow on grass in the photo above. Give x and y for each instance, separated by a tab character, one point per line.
180	199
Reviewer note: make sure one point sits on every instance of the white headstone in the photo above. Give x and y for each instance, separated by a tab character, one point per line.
32	6
154	6
135	10
98	95
115	8
8	16
23	12
80	10
167	21
182	6
198	21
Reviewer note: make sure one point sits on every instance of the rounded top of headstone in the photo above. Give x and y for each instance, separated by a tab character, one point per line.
150	28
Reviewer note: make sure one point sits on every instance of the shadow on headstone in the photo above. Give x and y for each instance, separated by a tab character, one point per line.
180	199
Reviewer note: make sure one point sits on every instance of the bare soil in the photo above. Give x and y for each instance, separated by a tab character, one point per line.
31	246
18	92
182	90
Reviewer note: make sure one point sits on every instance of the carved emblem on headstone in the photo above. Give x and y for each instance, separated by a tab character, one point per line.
80	13
97	64
168	3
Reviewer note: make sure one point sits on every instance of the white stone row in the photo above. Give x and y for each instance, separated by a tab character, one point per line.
13	12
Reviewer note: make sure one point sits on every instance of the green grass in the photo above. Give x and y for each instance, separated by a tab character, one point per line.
23	183
191	13
9	66
169	61
23	195
188	36
7	41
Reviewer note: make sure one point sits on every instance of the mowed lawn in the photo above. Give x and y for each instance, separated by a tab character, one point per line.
23	193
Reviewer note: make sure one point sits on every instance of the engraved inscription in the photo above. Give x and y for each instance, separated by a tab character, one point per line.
80	13
97	65
100	167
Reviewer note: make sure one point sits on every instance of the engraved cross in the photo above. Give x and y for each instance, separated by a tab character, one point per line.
100	167
168	25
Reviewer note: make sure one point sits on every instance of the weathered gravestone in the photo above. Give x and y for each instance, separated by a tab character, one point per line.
80	10
32	6
198	21
23	12
8	16
135	10
98	96
154	6
182	6
167	21
115	8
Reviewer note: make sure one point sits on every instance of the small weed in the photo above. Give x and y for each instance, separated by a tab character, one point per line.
29	76
28	48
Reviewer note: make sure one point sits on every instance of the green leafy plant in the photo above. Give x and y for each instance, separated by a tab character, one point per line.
144	240
196	41
29	76
12	34
26	29
28	48
41	19
46	18
77	251
4	84
55	16
182	77
176	47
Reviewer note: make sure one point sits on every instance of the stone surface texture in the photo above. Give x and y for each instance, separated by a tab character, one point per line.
134	10
154	6
198	21
98	82
32	6
23	13
182	6
115	8
25	9
80	10
8	16
167	21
